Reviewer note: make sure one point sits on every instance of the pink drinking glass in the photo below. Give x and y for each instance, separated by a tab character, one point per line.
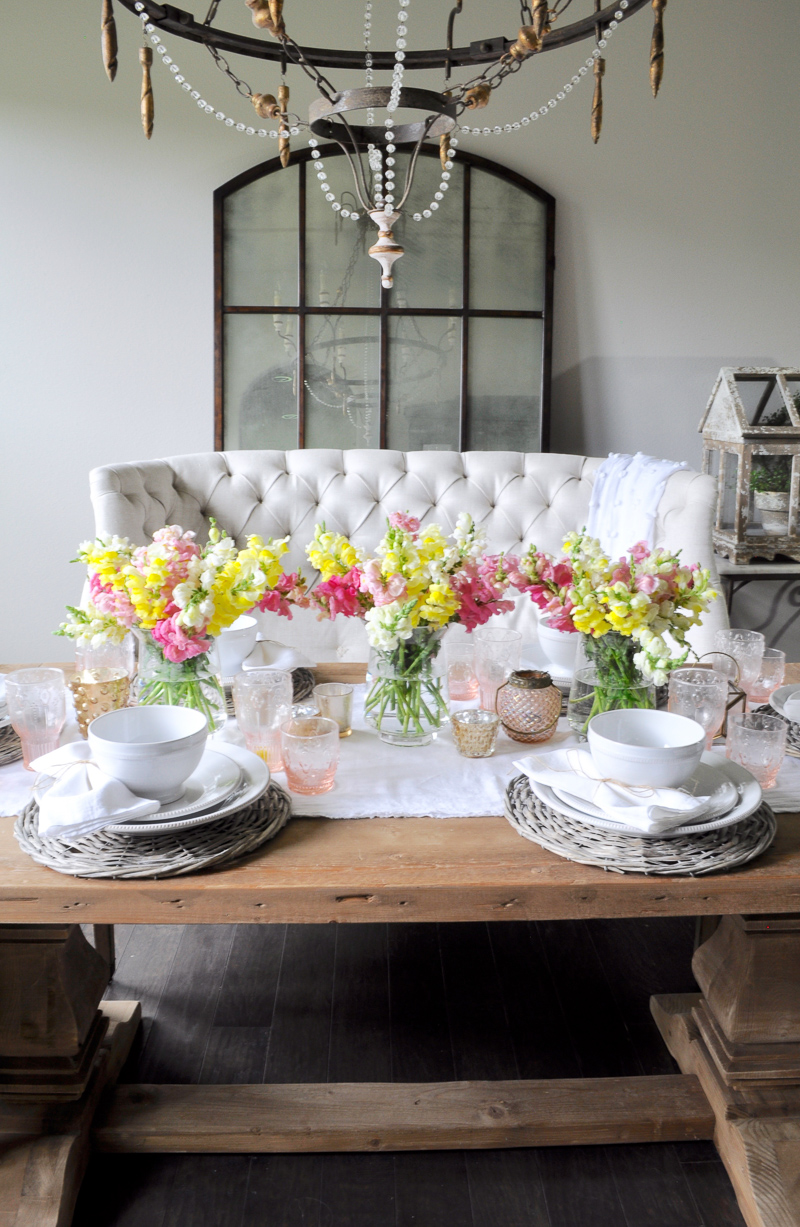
770	676
37	708
757	742
262	700
462	680
310	754
497	655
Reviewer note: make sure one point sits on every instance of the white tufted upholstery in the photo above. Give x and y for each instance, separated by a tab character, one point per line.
520	498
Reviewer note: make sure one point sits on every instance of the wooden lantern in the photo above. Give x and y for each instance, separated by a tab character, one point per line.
751	444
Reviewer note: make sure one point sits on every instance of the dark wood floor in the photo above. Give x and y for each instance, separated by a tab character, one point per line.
406	1003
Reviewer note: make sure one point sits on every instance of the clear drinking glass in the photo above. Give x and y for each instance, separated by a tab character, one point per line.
262	700
747	649
592	692
462	680
702	695
106	656
335	701
310	754
37	708
770	676
497	655
757	742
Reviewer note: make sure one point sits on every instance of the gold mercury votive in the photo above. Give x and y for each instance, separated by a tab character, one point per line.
475	732
335	702
97	691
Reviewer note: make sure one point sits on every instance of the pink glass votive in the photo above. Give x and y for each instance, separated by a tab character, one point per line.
310	754
770	676
37	708
462	680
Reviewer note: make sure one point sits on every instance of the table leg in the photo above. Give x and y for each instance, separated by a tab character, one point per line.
741	1038
58	1051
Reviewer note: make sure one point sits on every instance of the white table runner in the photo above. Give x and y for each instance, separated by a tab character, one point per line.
375	780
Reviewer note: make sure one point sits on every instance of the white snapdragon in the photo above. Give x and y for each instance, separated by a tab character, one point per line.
469	538
388	624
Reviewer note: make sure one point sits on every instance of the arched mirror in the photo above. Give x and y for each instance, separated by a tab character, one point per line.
310	352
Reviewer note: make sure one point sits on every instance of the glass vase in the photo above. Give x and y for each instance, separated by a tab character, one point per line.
605	679
406	701
192	683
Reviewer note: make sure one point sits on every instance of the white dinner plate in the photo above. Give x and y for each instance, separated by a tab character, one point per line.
779	697
720	770
211	783
532	657
252	785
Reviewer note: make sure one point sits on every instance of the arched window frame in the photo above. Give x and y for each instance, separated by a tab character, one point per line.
465	312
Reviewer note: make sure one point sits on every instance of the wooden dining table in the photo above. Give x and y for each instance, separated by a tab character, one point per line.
736	1042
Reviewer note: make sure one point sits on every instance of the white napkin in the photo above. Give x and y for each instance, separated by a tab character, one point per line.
791	706
269	654
572	771
82	798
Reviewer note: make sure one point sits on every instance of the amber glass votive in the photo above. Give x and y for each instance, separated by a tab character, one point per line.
97	691
475	732
335	701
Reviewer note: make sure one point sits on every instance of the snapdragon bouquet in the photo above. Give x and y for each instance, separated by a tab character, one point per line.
176	596
417	582
633	612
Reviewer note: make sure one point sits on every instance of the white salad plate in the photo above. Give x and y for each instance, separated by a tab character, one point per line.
532	657
211	783
715	773
779	697
252	783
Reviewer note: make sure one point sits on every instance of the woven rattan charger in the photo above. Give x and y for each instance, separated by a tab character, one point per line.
681	856
105	854
10	746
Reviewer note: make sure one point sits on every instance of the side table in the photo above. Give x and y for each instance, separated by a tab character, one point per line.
736	575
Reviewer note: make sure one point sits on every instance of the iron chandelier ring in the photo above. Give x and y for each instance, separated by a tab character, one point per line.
377	97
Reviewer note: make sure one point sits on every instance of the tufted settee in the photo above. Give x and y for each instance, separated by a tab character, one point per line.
520	498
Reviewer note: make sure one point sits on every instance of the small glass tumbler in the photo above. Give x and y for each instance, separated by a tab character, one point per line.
37	707
310	754
497	655
593	692
757	742
262	700
97	691
107	655
462	680
475	732
770	676
747	649
702	695
335	701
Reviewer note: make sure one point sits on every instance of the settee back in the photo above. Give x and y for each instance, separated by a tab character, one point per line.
519	498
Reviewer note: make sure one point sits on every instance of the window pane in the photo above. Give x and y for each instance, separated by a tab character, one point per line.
505	378
508	231
260	242
260	381
342	375
424	383
339	272
429	274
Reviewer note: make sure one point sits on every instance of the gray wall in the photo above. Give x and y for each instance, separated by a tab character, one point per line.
677	246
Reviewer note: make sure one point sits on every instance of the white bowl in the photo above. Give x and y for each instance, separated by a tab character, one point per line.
650	749
560	647
234	643
152	749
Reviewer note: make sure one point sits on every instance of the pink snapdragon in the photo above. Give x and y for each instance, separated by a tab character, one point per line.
289	590
401	519
339	595
639	551
176	644
559	616
479	593
111	602
383	592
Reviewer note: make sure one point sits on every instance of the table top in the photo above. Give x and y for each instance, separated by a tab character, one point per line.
397	869
756	570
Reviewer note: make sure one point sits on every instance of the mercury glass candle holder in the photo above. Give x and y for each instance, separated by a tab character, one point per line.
529	705
335	701
97	691
475	732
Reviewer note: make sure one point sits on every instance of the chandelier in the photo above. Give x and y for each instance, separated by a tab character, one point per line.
370	146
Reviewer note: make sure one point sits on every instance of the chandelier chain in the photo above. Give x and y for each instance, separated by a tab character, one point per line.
222	64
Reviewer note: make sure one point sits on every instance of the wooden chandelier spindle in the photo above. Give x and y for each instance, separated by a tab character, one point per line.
478	96
266	106
541	19
148	110
444	145
657	47
276	13
108	39
527	43
262	17
284	151
597	100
